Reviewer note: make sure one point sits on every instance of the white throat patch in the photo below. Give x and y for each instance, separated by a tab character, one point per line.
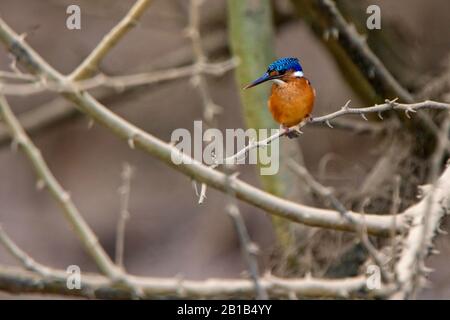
279	82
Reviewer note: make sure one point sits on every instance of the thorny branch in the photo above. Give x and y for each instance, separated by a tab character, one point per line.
426	215
248	248
95	286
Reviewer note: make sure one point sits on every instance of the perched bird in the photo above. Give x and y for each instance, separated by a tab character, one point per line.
292	97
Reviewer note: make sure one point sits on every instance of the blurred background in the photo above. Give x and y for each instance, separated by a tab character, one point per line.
168	233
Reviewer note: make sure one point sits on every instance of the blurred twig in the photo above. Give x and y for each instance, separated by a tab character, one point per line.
210	109
124	214
248	248
17	76
396	202
345	110
121	82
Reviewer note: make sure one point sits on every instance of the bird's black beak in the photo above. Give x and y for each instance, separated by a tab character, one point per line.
265	77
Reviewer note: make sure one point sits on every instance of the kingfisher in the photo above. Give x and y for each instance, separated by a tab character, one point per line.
292	97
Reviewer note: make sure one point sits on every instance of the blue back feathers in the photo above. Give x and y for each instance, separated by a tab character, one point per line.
285	64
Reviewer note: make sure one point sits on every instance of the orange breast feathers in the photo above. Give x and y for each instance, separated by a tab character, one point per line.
292	101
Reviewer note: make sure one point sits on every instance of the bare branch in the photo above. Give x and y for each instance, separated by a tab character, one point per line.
124	214
15	280
90	64
426	216
27	261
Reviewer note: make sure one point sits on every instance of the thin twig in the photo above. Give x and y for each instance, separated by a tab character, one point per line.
287	209
426	217
121	82
124	214
17	76
248	248
28	262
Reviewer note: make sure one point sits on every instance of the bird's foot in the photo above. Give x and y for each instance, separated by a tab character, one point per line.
293	132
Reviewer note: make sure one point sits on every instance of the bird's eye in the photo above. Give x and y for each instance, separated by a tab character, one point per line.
273	73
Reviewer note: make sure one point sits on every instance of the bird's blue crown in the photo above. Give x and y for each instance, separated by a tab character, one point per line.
285	64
